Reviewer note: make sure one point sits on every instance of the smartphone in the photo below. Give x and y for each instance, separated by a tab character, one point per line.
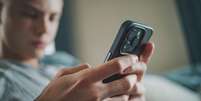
130	39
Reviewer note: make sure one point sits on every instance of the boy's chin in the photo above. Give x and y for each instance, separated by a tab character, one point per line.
39	54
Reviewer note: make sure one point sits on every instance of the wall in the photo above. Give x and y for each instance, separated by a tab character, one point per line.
96	23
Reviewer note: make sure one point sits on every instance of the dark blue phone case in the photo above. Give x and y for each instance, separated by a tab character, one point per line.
130	39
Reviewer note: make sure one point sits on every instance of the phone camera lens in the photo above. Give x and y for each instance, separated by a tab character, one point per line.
134	36
127	47
133	40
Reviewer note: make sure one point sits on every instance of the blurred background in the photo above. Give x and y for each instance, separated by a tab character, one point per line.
88	28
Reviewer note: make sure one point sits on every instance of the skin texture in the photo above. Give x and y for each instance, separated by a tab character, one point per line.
28	26
84	83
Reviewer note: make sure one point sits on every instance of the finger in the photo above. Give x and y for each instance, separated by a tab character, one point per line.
118	98
147	52
67	71
121	86
138	69
118	65
137	98
138	90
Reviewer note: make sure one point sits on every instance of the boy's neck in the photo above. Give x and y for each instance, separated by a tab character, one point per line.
6	53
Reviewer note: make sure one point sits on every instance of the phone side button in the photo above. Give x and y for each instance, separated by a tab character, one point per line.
107	57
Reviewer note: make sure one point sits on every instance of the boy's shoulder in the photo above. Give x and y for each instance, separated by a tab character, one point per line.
60	58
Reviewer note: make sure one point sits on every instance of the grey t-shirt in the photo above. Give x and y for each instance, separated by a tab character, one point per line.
21	82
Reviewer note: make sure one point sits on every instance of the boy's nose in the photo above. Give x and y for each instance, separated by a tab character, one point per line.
42	27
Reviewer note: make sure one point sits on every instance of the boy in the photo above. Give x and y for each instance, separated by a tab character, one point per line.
28	26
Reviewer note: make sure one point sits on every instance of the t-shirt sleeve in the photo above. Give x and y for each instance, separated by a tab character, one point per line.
4	86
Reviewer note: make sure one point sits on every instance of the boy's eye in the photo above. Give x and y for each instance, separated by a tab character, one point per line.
30	14
53	17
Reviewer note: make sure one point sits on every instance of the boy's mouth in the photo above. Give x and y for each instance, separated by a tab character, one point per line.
39	44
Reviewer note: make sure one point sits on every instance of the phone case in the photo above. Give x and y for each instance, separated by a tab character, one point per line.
130	39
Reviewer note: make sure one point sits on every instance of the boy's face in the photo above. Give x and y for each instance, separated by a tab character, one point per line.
30	25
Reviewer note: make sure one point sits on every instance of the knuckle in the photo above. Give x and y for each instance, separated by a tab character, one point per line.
133	58
144	65
61	71
121	62
87	65
85	78
139	67
129	82
83	82
127	85
118	64
96	91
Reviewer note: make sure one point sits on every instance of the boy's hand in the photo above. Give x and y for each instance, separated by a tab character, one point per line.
84	83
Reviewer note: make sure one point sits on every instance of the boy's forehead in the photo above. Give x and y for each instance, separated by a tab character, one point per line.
55	5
